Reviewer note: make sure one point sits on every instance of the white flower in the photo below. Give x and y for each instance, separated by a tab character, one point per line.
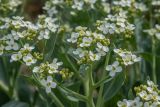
80	28
57	1
44	34
91	2
78	4
36	69
15	35
16	57
94	57
80	52
130	27
123	3
11	45
98	36
27	47
129	59
86	42
74	37
57	63
107	28
52	27
144	95
157	35
122	103
114	68
142	7
52	11
48	67
48	84
49	23
150	83
29	60
130	103
102	50
54	66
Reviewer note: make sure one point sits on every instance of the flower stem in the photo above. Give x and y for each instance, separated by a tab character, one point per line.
153	48
74	94
88	85
154	61
105	80
72	65
100	94
56	100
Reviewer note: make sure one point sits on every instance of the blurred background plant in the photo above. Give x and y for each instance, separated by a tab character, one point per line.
96	40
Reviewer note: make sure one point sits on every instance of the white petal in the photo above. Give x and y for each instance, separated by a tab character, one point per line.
53	85
55	60
105	48
119	69
35	69
99	45
115	64
109	67
49	78
137	59
112	74
48	89
60	63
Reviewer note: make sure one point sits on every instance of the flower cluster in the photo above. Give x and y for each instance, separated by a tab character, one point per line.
78	4
48	68
131	4
51	6
16	30
147	96
155	4
10	5
154	31
116	25
90	46
47	72
130	103
27	30
126	57
46	26
27	55
149	93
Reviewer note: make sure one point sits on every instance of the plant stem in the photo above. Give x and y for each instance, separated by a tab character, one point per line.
154	61
88	84
105	80
75	94
56	100
153	49
49	55
100	94
72	65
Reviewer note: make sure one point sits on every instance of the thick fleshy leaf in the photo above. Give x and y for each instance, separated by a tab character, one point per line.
112	87
15	104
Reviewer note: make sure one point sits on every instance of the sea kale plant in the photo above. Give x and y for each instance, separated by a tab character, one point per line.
79	53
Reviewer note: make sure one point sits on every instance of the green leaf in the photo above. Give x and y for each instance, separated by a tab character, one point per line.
72	99
15	104
148	56
3	75
111	88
